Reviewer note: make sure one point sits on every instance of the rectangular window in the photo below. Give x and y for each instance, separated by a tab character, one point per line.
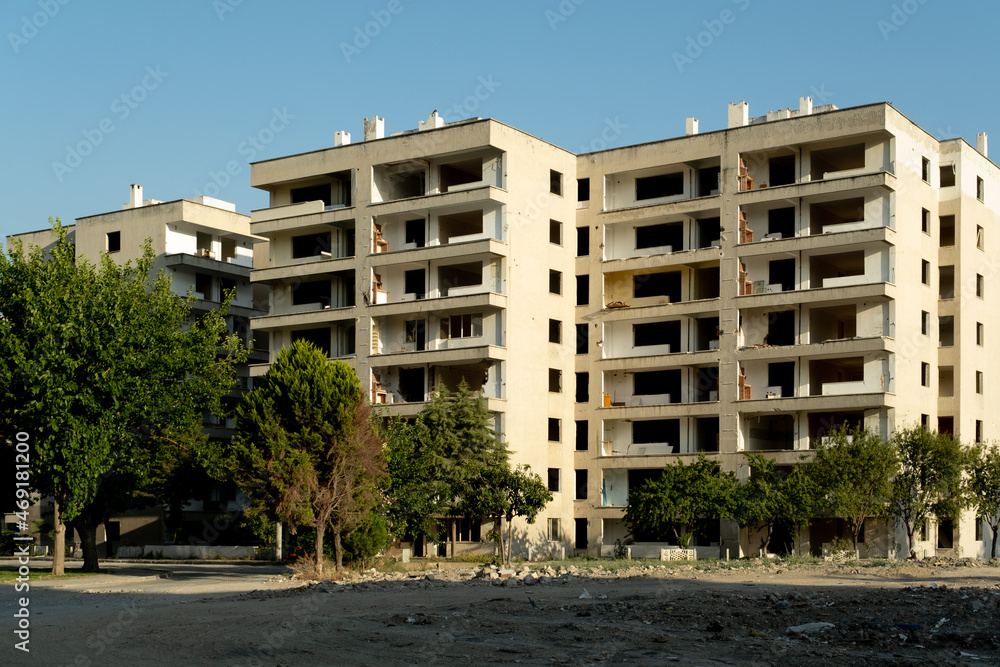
582	241
555	281
555	182
581	485
925	322
980	240
414	282
555	232
979	430
582	434
663	185
979	528
925	374
114	241
554	480
925	220
979	382
980	285
555	380
583	189
311	245
582	338
925	420
980	189
581	533
980	334
582	387
554	530
947	173
925	170
582	290
467	325
925	272
657	284
555	331
946	231
554	429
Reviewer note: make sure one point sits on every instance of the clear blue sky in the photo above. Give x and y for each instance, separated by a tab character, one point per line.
167	93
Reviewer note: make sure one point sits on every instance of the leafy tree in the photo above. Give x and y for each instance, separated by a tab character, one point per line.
982	487
928	478
679	497
770	498
305	447
854	474
98	365
502	494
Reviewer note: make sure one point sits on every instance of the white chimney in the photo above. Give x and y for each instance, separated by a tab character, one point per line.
739	114
341	138
134	196
690	126
981	143
805	106
374	128
433	121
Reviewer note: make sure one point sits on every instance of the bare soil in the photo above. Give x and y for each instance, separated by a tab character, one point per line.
944	613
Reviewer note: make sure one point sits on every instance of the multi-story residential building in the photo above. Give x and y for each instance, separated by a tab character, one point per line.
747	289
206	248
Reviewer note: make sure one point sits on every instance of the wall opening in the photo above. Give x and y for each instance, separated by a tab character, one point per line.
780	327
771	433
657	333
828	214
662	185
657	284
782	170
781	221
654	236
827	162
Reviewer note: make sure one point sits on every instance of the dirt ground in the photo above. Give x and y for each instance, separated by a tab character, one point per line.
227	614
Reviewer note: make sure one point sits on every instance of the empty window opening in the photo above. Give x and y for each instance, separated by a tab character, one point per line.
203	286
946	282
657	431
203	242
318	337
707	333
925	420
416	232
832	371
706	384
946	231
553	429
925	374
925	221
582	387
827	162
416	333
980	189
980	335
582	338
947	175
980	237
555	232
453	227
708	181
411	384
467	325
415	282
833	323
582	241
459	275
925	170
655	383
461	173
582	435
554	480
709	232
771	433
657	284
780	327
826	216
980	286
403	183
555	530
781	272
781	376
821	424
979	432
946	425
825	269
555	182
555	281
668	234
925	272
114	241
781	221
706	432
581	541
581	485
925	323
555	380
979	382
555	331
946	381
582	290
311	245
468	530
662	185
945	534
313	292
657	333
782	170
583	189
706	283
946	331
321	192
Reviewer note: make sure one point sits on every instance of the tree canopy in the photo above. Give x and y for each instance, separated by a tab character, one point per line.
770	497
982	487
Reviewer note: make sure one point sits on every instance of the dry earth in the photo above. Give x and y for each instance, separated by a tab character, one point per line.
227	614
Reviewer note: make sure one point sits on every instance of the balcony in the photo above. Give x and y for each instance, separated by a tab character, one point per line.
436	335
437	227
409	282
414	384
663	184
660	437
631	339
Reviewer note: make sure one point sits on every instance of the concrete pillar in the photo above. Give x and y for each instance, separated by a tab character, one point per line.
374	128
739	114
341	138
690	126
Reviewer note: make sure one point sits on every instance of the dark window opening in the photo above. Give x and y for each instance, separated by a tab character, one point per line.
781	221
663	185
782	272
553	429
706	384
582	387
555	232
312	292
582	290
415	282
708	181
782	375
411	384
555	331
555	380
416	333
468	530
415	233
656	431
781	327
925	170
832	160
554	480
555	182
708	333
321	192
583	189
582	435
831	214
946	230
203	286
666	234
980	188
946	425
582	338
582	241
581	485
459	275
114	241
460	173
946	282
782	170
555	281
707	434
646	383
925	272
947	173
946	534
581	533
771	433
657	284
946	331
709	232
311	245
925	221
318	337
657	333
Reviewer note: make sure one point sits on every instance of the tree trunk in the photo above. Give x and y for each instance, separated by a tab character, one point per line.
59	554
994	553
87	527
510	541
909	541
338	552
320	532
277	541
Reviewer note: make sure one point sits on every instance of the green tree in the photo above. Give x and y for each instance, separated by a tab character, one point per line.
982	487
854	473
305	447
100	368
679	498
770	498
928	479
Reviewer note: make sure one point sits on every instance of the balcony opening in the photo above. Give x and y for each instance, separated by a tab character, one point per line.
411	385
780	380
311	245
582	387
782	170
662	185
771	433
319	192
203	245
666	384
706	283
947	174
781	272
657	284
946	425
416	334
707	334
415	282
709	232
780	328
833	377
706	432
946	230
657	333
946	282
829	216
461	173
833	323
203	286
416	232
318	337
946	381
708	181
831	162
706	384
837	270
228	249
399	181
946	331
657	431
668	236
781	222
454	227
821	424
315	293
335	192
458	276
